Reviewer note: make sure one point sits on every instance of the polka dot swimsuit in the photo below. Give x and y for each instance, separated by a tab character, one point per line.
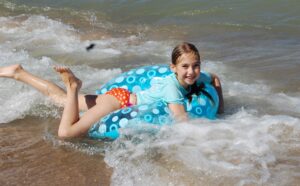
122	95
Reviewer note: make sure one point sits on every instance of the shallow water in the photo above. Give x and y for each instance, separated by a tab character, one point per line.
252	46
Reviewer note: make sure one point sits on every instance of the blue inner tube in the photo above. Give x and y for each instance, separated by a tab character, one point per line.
204	104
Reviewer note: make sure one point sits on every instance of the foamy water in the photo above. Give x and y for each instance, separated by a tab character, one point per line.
240	149
255	142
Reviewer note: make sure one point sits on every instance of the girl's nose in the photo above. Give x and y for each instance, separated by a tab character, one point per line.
190	70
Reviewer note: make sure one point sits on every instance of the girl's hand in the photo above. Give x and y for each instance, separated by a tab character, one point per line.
178	111
217	84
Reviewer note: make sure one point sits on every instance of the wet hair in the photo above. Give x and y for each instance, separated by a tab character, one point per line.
184	48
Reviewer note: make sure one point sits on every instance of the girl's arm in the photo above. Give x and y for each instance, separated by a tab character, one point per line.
178	112
217	84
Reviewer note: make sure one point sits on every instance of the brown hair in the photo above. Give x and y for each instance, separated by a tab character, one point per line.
184	48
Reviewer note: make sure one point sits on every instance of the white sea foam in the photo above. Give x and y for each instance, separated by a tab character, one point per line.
240	149
285	102
259	94
41	35
16	106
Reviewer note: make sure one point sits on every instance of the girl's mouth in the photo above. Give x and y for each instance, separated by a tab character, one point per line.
190	78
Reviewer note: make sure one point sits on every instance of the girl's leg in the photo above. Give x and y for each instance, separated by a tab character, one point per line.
71	125
48	88
57	94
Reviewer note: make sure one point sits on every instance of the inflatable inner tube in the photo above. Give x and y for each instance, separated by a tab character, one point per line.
203	104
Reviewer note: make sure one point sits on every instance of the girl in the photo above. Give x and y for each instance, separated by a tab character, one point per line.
172	90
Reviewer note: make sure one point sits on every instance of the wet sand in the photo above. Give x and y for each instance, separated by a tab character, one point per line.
27	157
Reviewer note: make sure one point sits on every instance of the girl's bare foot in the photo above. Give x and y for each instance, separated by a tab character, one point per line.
10	71
69	79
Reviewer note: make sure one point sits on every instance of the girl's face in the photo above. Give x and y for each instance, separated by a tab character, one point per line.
187	69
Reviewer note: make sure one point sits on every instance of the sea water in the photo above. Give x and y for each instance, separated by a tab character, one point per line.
253	46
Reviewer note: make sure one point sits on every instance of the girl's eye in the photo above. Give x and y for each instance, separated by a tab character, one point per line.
197	65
